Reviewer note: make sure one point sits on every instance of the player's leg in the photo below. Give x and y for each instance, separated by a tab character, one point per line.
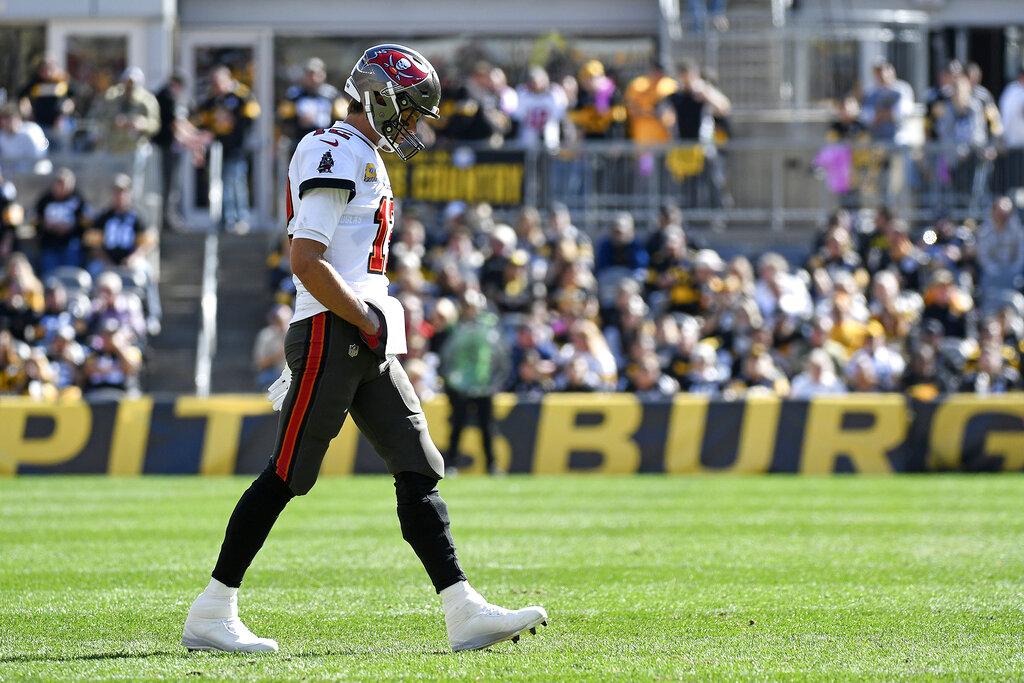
389	414
324	378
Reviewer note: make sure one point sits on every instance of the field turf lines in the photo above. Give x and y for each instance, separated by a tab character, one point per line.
645	578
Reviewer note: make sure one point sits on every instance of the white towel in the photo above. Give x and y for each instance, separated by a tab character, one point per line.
394	317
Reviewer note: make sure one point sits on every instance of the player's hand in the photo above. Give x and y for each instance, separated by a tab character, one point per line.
378	341
279	389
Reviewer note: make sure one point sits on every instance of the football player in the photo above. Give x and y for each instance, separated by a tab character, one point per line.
340	349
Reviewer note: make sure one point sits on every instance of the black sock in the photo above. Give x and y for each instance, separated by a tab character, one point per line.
254	516
424	518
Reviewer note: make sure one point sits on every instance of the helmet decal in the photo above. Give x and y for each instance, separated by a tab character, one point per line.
397	66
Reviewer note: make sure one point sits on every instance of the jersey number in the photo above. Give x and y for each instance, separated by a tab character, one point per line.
385	218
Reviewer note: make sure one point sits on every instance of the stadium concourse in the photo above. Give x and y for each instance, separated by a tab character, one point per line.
875	303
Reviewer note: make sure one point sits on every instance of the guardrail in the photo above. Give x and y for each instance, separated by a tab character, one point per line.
749	182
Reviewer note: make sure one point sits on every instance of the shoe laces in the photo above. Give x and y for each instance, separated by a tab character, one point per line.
489	610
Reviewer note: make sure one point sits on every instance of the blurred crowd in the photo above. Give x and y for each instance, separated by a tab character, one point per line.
878	306
537	304
973	141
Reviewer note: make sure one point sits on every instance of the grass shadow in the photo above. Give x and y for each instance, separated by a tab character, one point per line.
11	659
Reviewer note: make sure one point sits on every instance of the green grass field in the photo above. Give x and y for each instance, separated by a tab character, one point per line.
644	578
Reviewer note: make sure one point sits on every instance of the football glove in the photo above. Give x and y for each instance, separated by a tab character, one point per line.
279	389
377	342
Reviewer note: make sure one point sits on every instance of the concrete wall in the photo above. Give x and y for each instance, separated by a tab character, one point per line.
403	18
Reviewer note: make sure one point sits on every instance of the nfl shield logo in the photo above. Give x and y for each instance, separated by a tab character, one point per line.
353	350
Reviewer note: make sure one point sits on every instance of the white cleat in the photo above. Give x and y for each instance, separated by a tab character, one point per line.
474	623
213	624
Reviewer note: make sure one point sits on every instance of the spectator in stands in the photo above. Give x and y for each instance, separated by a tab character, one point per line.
474	111
228	115
650	382
925	378
885	109
990	335
621	249
897	310
836	255
112	303
1011	109
704	375
993	120
67	358
529	229
598	113
48	99
949	305
119	237
643	122
818	377
113	364
888	105
13	353
268	350
780	293
961	127
887	365
903	257
937	96
586	341
61	219
872	237
1012	323
949	245
993	375
55	314
689	110
541	110
311	103
22	143
127	115
39	379
12	215
642	97
690	113
176	140
21	298
534	376
578	377
1000	254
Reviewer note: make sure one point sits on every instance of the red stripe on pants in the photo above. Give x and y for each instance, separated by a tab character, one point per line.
302	401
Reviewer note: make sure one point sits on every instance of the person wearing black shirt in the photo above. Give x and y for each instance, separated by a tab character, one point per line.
229	114
61	218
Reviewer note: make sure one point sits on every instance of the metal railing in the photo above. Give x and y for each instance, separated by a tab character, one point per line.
206	341
759	182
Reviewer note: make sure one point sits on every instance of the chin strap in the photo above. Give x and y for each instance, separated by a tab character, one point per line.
383	142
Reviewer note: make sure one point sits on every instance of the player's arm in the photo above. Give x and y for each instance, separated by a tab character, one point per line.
319	211
324	283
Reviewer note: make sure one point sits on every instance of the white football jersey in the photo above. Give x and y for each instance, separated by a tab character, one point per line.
342	158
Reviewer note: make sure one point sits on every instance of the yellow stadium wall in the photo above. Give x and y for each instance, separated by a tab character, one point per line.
601	433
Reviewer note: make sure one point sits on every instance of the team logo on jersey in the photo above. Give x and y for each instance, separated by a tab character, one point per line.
397	66
353	350
370	174
326	163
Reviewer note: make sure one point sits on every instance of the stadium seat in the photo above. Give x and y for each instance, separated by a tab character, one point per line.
73	278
